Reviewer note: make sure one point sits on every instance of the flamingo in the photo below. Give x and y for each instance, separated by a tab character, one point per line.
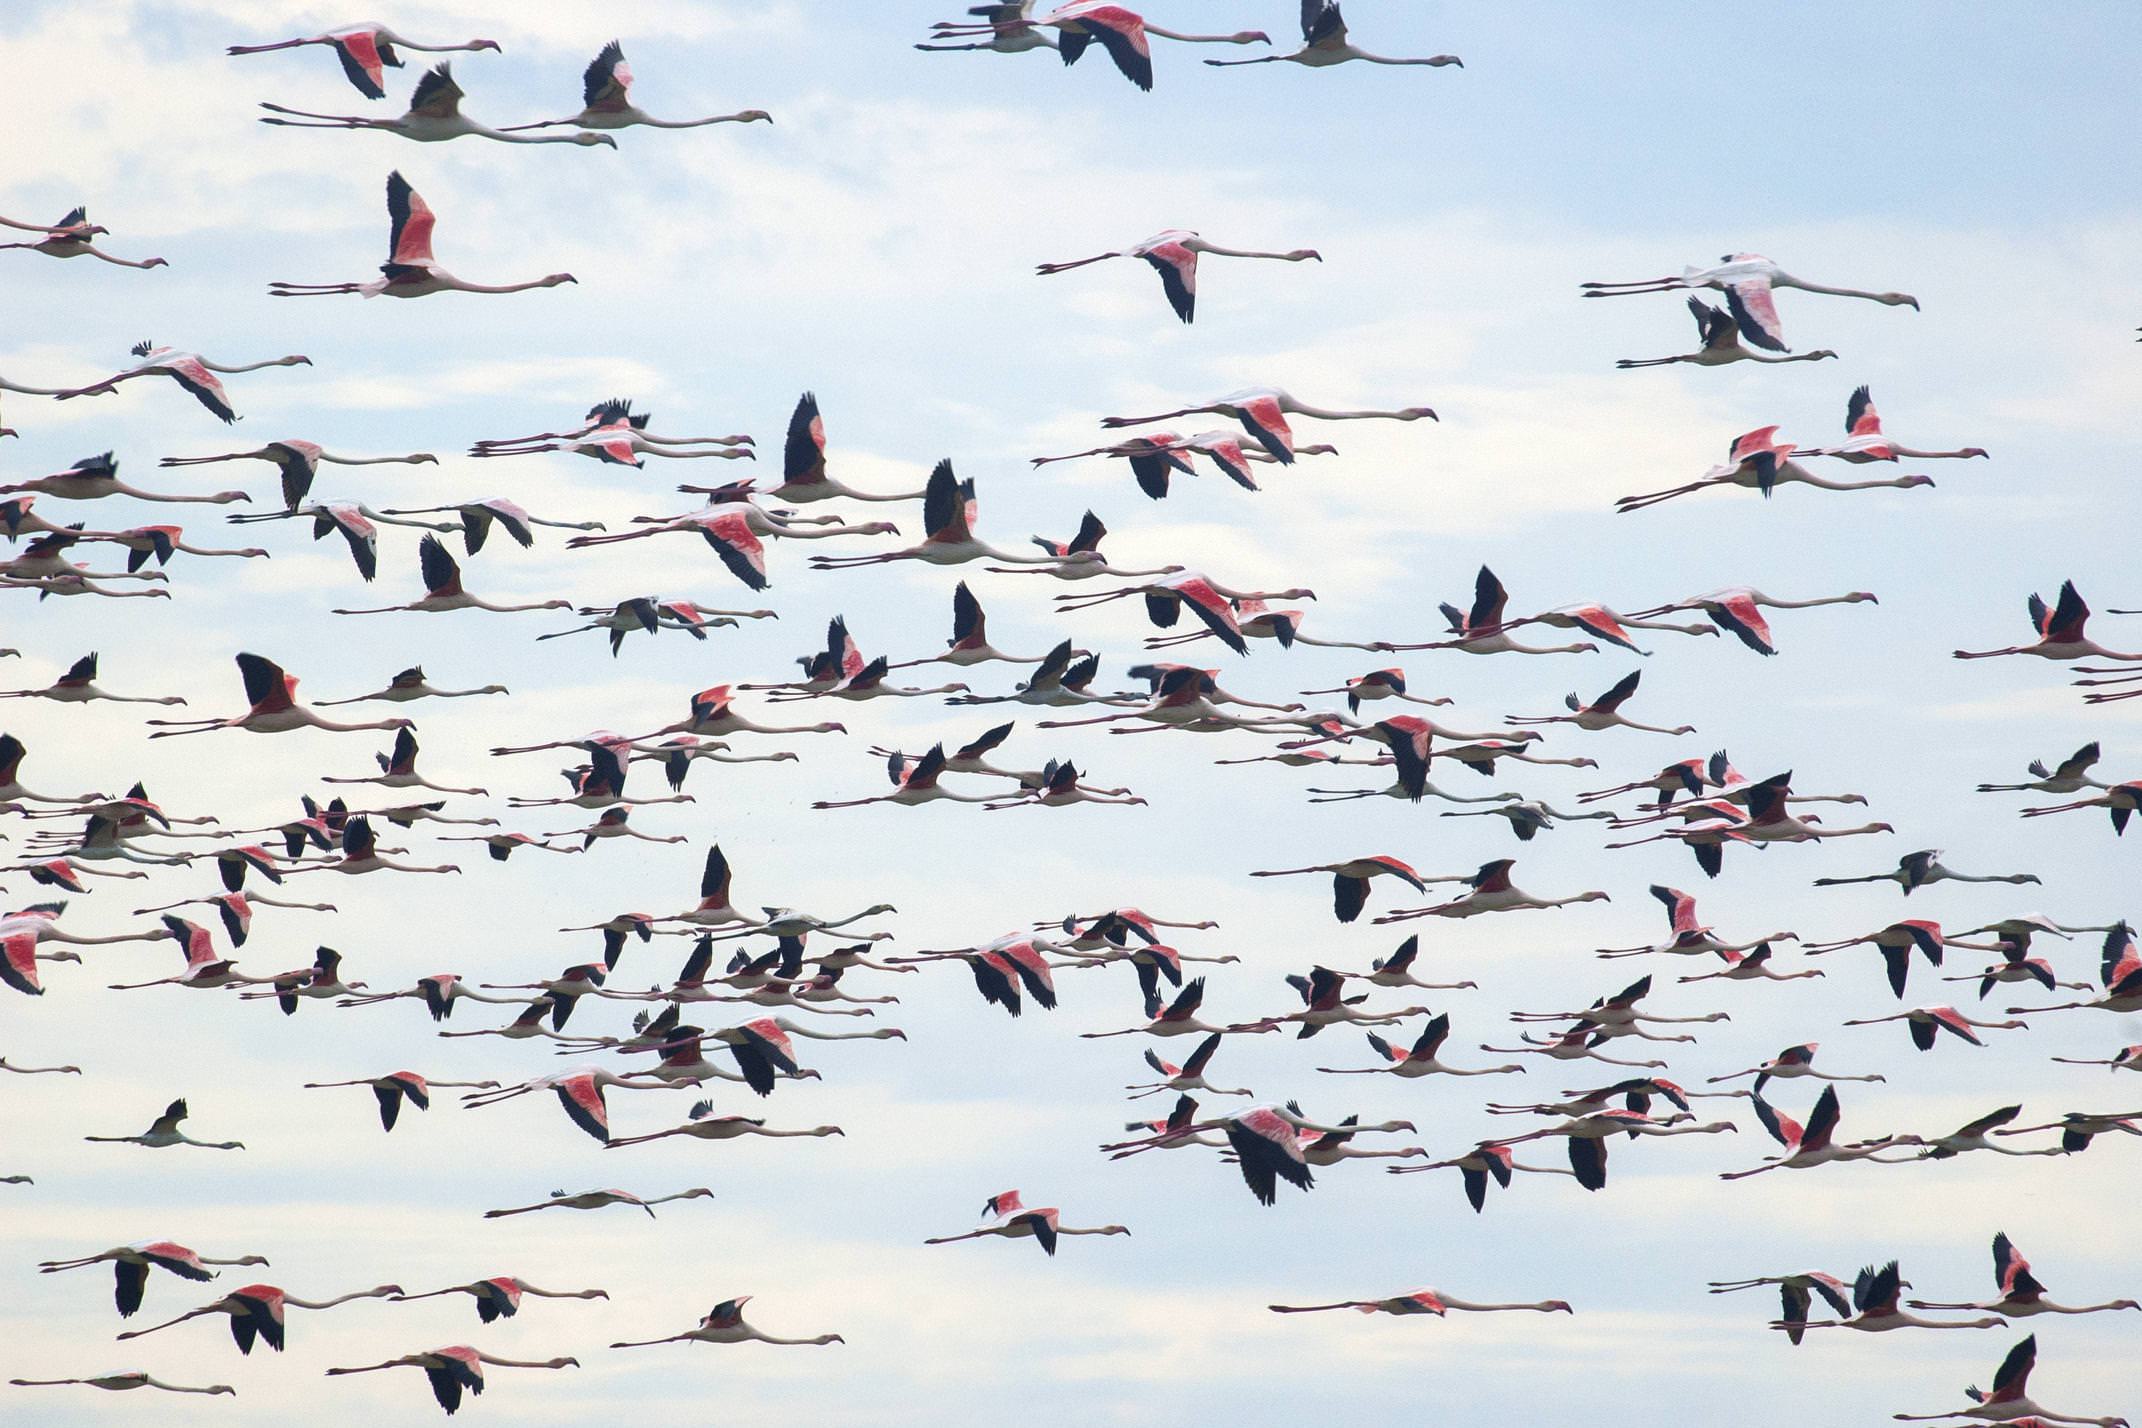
1214	604
914	781
274	707
320	980
1748	281
1420	1301
1477	1165
190	370
803	463
705	1125
120	1383
1015	1221
1377	684
948	510
1263	412
1124	33
1761	461
724	1324
12	752
1490	891
598	1200
1605	711
2128	1058
2120	800
395	1087
1895	942
1970	1136
2070	775
1268	1147
1484	629
455	1369
70	238
131	1265
355	522
478	517
410	684
204	969
365	50
1916	870
618	436
410	270
580	1093
1588	1133
159	543
298	463
2060	632
1421	1059
1350	880
434	116
732	528
1797	1293
164	1132
95	478
1750	966
398	769
1190	1076
2009	1402
1396	970
1691	936
1080	557
1179	1018
1324	43
762	1047
969	644
1865	440
442	589
2078	1128
1173	253
439	992
1010	27
2022	1295
1927	1023
1793	1063
500	1297
1811	1145
1721	343
2119	971
606	101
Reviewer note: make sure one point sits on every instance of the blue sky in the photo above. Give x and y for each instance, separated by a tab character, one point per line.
875	244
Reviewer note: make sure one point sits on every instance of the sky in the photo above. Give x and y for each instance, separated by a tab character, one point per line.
875	244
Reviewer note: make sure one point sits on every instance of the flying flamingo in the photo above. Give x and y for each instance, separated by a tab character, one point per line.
803	463
2021	1294
1796	1293
355	522
1350	880
1179	1018
1721	343
396	1087
1760	461
478	517
969	644
2009	1402
763	1047
1420	1301
442	589
598	1200
410	270
1809	1145
948	511
2128	1058
1483	629
500	1297
1324	44
1124	33
1748	281
2017	965
1690	935
606	101
455	1369
257	1311
703	1124
1173	254
11	789
274	708
2120	800
1190	1076
299	463
2078	1128
1213	603
2070	775
119	1383
724	1324
398	769
365	50
131	1265
2060	632
1421	1059
1490	891
95	478
190	370
616	435
1792	1063
1866	441
1927	1023
164	1131
1968	1137
1477	1165
1015	1221
2119	971
1605	711
914	781
1895	942
1010	27
580	1093
434	115
1916	870
410	684
70	238
1263	412
1588	1134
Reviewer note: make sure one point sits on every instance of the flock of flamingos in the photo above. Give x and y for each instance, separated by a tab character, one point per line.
799	977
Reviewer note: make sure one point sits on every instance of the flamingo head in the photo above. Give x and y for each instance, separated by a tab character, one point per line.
1305	255
749	115
1862	597
1910	481
1898	300
486	45
1416	413
1249	37
559	279
588	140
